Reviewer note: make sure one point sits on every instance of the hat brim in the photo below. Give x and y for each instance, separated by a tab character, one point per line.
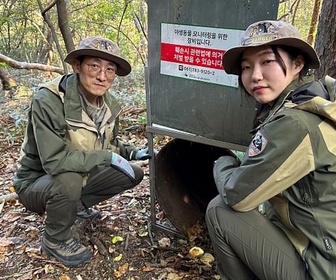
231	58
124	68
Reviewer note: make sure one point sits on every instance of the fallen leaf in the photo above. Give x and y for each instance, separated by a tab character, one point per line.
49	269
11	217
143	232
31	218
148	268
173	276
118	258
207	259
3	252
121	270
33	234
4	242
164	242
116	239
196	252
35	255
64	277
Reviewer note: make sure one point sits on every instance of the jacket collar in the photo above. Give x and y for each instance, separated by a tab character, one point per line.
268	111
294	86
67	88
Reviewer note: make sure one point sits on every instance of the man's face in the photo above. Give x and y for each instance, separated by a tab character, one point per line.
96	76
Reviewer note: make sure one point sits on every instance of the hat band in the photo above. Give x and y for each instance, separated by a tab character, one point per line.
104	46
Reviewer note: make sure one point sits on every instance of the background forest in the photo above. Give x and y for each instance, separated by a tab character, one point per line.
35	31
31	31
44	31
34	38
36	35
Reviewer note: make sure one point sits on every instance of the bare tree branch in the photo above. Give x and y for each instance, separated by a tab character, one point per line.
121	20
44	11
29	66
295	6
139	25
53	32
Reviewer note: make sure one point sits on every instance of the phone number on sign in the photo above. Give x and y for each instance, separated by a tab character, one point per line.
196	70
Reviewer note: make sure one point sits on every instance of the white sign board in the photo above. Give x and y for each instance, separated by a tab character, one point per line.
195	52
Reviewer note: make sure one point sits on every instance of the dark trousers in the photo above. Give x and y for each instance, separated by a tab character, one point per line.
248	245
60	195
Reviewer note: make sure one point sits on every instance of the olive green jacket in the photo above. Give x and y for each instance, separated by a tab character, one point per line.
291	162
60	136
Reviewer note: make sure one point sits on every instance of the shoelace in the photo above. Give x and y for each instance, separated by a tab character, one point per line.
71	247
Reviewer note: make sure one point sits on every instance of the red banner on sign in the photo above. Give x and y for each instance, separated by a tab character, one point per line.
204	57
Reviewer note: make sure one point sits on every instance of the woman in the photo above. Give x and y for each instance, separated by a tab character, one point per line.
290	164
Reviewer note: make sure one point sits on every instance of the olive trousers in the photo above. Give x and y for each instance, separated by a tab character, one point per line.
60	195
247	245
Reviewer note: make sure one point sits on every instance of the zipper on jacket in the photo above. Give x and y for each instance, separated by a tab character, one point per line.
308	195
102	139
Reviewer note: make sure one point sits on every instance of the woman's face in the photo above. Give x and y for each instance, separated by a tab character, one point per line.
262	75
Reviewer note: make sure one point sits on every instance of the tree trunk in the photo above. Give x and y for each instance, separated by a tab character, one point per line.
325	43
63	24
313	23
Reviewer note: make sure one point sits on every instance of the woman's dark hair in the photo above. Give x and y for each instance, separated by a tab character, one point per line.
293	53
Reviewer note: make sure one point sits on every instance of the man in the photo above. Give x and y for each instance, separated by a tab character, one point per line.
71	156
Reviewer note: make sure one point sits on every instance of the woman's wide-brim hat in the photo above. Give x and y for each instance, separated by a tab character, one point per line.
102	48
268	32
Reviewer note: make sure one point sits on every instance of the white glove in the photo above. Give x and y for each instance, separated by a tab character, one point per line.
121	164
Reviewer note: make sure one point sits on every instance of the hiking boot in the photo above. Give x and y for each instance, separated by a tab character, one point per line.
85	213
71	252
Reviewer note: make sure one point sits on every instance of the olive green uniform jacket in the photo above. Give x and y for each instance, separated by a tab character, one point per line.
61	137
291	162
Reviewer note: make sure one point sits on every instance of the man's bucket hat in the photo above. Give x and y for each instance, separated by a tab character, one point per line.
264	33
102	48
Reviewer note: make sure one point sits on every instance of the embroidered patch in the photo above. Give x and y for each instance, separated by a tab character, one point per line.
257	145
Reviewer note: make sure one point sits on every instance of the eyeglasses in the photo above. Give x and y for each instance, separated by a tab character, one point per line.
95	69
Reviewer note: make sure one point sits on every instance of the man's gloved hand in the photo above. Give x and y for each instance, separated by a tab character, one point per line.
121	164
142	154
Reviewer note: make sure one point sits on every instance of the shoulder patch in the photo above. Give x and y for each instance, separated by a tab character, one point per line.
257	145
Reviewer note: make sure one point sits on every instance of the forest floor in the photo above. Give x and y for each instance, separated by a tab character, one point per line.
123	242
